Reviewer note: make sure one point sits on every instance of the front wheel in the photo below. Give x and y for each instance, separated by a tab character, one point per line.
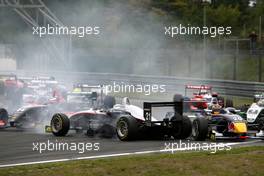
200	129
60	124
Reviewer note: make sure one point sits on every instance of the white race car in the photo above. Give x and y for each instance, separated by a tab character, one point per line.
255	116
127	121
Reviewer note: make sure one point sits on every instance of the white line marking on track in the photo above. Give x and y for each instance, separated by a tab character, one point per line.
112	155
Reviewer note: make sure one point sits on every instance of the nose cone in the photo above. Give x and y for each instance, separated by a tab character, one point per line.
240	127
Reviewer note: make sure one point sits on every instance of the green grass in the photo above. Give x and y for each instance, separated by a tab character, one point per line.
238	161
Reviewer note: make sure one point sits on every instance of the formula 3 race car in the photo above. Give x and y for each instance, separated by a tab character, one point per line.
41	90
219	123
11	88
127	121
34	116
255	116
27	117
205	93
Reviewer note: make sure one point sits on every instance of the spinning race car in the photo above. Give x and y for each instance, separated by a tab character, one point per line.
36	114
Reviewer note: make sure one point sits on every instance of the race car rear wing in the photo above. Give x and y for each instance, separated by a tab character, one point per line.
83	87
42	78
81	96
197	87
180	107
147	107
204	87
8	77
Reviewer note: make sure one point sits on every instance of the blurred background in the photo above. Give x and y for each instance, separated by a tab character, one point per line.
132	39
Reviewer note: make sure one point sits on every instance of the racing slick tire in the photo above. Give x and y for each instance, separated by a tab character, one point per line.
60	124
200	129
107	131
127	128
229	103
3	117
182	130
109	101
260	122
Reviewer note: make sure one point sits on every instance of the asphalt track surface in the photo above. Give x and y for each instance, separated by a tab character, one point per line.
17	147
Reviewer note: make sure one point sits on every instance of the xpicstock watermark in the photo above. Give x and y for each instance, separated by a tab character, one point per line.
80	31
212	31
195	146
54	146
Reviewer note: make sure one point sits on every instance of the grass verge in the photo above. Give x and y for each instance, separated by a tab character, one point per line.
238	161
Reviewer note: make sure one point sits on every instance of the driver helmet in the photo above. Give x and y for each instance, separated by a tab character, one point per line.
125	101
260	102
216	108
214	101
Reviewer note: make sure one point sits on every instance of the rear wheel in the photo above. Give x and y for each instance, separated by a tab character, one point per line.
126	128
200	129
260	122
60	124
182	130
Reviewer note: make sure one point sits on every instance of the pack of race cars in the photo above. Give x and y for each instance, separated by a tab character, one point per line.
200	116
